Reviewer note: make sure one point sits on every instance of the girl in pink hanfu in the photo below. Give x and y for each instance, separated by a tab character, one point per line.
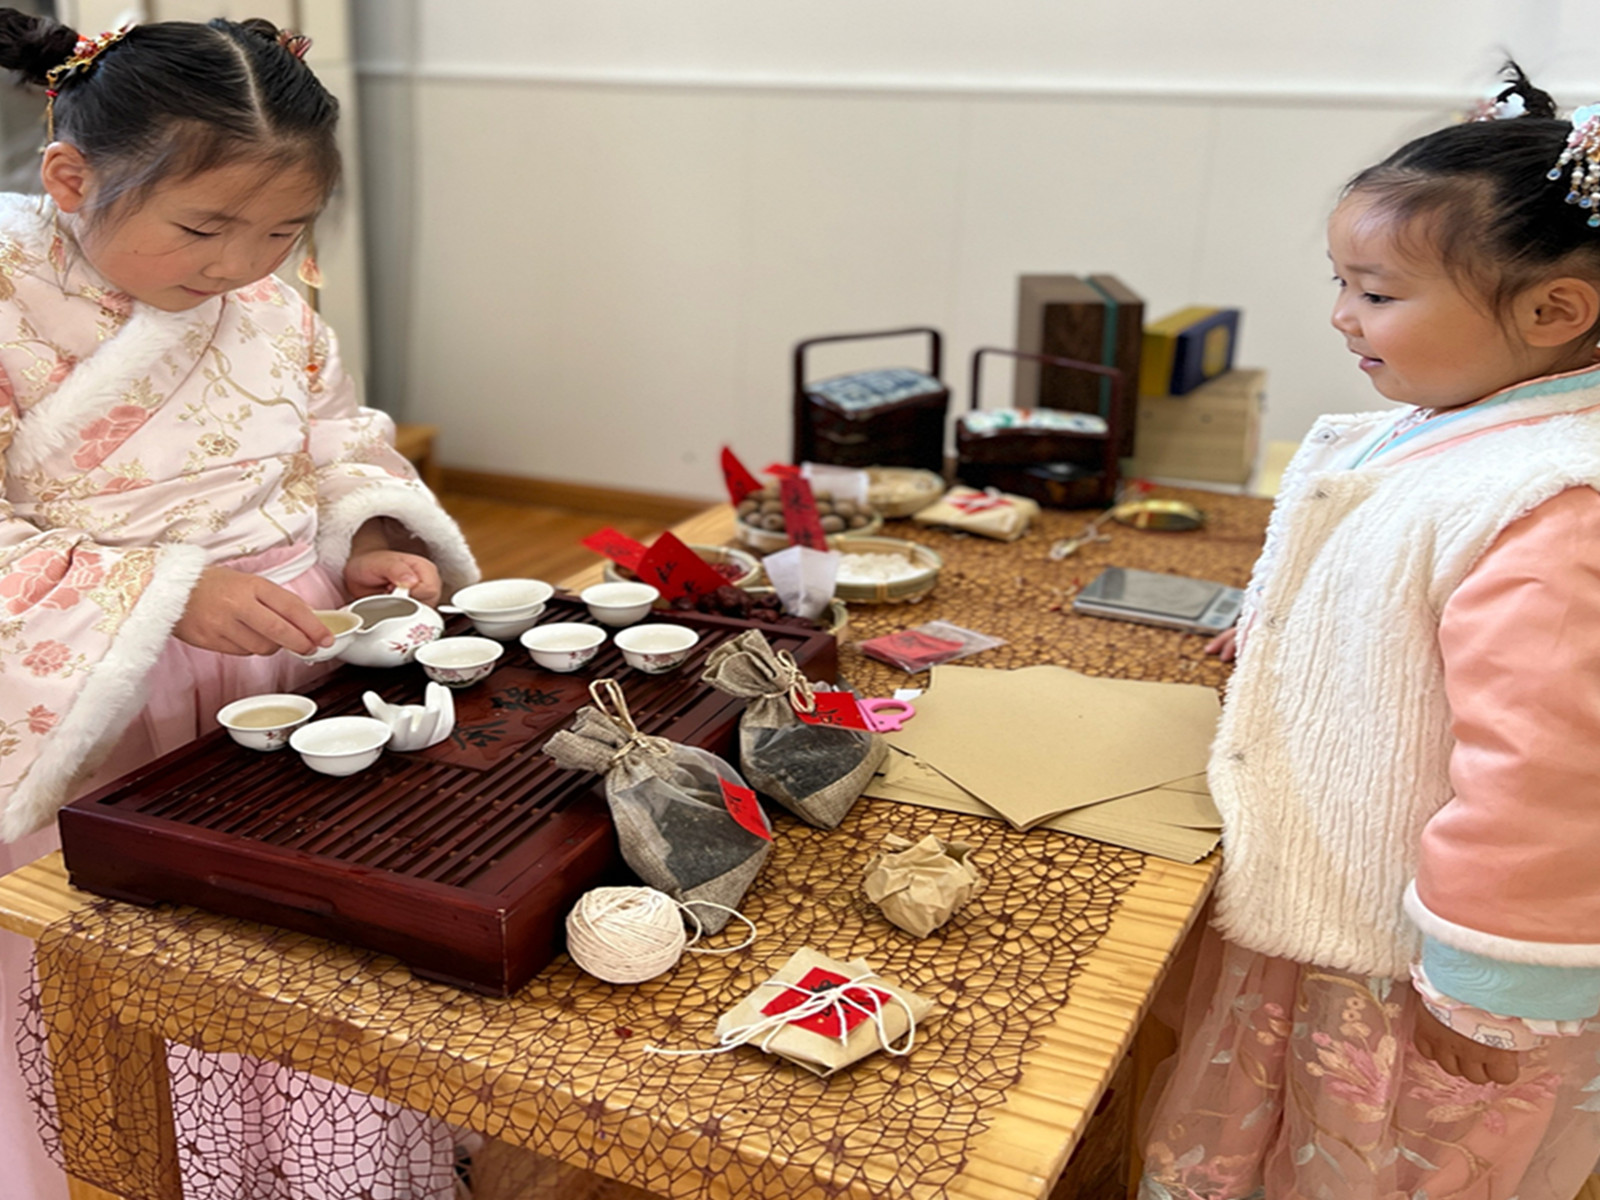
1396	998
187	473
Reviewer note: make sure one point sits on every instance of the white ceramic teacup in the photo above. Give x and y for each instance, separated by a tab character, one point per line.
500	599
617	604
265	722
656	647
563	645
459	661
341	745
341	624
503	629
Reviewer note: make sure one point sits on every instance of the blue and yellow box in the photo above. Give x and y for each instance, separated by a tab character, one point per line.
1184	349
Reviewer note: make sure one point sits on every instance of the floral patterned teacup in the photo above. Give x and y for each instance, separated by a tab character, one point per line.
459	661
656	648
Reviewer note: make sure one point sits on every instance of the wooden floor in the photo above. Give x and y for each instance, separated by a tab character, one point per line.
514	540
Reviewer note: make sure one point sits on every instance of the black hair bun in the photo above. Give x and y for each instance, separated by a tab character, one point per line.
1535	101
33	46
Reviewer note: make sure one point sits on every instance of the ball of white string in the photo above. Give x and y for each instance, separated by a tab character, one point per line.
630	934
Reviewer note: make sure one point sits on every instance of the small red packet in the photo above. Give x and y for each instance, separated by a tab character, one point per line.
744	808
840	709
737	476
855	1005
677	570
911	649
617	546
800	513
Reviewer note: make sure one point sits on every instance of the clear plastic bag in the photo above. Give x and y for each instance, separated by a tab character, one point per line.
928	645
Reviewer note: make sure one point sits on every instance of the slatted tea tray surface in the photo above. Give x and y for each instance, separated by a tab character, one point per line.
461	860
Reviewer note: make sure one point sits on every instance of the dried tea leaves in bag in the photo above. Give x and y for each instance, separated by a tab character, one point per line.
666	801
815	771
824	1014
920	885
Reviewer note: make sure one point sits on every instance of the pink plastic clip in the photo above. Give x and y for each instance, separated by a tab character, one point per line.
880	721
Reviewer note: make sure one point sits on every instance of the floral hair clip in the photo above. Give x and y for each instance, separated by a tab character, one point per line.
1583	152
83	57
295	43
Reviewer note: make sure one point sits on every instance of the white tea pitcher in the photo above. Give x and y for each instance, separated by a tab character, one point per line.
392	627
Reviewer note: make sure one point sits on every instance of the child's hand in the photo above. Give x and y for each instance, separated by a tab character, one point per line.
370	572
1224	645
234	612
1460	1055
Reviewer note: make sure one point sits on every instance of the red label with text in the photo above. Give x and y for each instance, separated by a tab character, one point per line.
835	708
744	808
800	513
737	476
677	570
617	546
855	1004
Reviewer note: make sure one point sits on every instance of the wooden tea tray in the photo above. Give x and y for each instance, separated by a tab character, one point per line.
461	860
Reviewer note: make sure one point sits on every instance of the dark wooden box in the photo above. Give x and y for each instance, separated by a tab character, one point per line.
463	867
1096	319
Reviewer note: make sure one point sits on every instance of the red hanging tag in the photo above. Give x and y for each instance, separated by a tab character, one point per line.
617	546
744	808
737	476
839	709
800	513
856	1003
677	570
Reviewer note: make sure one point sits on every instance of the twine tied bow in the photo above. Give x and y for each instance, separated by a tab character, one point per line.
611	703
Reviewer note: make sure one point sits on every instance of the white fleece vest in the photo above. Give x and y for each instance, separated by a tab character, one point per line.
1333	749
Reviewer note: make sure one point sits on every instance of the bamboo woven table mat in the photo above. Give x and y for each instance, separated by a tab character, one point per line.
1042	979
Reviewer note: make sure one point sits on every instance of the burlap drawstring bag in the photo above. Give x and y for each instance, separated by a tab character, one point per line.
666	800
815	771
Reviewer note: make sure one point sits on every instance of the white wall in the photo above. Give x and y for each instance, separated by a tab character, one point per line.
596	227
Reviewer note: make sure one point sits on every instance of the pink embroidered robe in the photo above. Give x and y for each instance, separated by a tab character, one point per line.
140	447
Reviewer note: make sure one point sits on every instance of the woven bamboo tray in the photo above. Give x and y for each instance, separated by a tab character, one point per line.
897	591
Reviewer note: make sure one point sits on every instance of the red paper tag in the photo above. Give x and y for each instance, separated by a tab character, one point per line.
835	708
744	808
979	502
910	649
800	513
617	546
737	476
780	470
857	1003
677	570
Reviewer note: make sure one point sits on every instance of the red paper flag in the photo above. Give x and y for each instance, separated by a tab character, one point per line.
744	808
800	513
617	546
835	708
677	570
781	470
737	476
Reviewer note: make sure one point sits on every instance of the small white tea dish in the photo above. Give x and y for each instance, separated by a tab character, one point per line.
500	599
618	604
341	624
341	745
504	629
563	645
656	648
459	661
265	722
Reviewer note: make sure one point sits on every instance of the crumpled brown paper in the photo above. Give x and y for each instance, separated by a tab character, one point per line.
920	885
821	1046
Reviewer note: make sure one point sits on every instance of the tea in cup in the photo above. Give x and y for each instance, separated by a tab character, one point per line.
341	624
265	722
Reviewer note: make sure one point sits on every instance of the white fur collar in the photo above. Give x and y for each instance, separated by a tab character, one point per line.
102	379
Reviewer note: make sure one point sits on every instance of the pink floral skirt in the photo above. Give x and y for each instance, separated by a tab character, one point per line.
1293	1081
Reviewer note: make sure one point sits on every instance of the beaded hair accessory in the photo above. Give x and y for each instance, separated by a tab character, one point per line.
295	43
1583	154
84	55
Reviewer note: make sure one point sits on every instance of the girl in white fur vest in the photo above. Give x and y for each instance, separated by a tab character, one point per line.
1395	997
186	473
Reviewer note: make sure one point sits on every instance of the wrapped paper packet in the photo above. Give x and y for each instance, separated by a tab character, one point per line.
991	513
920	885
863	1013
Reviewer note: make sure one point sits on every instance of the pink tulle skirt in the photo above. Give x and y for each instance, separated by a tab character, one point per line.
185	689
1292	1081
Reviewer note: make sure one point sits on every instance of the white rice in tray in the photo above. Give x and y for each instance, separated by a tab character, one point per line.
876	568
